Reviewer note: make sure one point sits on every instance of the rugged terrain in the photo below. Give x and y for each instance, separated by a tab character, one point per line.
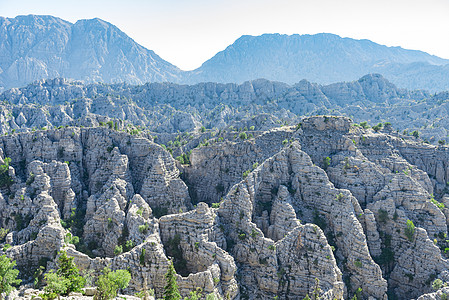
170	110
324	58
252	218
37	47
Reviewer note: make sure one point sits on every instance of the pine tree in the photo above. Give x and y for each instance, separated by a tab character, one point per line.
68	269
8	275
171	288
65	280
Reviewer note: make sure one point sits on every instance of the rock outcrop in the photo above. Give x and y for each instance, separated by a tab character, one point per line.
171	110
325	207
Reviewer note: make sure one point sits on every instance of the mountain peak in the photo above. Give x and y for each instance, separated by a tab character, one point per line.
323	58
35	19
95	22
93	50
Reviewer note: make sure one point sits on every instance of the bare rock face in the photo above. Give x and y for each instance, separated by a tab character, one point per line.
47	193
90	50
327	205
440	294
196	244
282	217
322	123
232	159
294	168
174	109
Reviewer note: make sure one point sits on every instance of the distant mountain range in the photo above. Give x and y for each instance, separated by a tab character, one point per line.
35	47
323	58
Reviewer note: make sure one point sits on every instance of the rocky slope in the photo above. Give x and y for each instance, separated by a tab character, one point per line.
326	200
167	109
40	47
323	58
36	47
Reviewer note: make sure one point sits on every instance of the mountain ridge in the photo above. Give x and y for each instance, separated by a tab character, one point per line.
37	47
324	58
166	108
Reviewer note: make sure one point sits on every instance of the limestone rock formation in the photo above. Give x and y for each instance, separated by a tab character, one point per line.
170	110
326	204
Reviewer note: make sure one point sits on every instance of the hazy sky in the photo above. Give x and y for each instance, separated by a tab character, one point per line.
188	32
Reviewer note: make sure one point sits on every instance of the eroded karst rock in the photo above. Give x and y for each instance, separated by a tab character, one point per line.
327	201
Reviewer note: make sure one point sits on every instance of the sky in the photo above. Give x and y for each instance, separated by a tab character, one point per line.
188	32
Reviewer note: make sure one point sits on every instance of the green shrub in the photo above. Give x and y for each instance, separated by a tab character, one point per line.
110	223
69	239
30	179
383	215
326	162
129	245
142	256
243	136
339	197
377	127
69	270
180	159
144	228
65	280
8	275
55	285
5	179
3	233
118	250
109	283
437	284
410	230
254	233
438	204
364	125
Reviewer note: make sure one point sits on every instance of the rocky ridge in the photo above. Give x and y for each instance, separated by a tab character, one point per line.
171	110
325	200
324	58
36	47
